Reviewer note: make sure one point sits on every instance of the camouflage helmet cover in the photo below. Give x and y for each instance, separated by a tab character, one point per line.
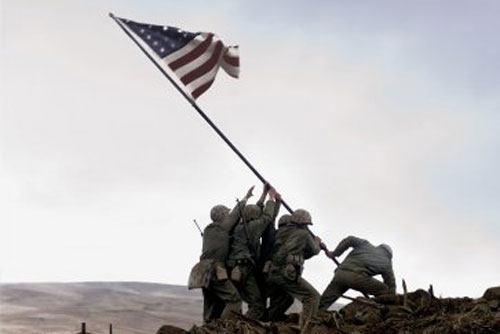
286	218
301	216
218	212
251	212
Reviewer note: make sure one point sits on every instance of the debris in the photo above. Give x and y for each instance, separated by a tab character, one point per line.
423	313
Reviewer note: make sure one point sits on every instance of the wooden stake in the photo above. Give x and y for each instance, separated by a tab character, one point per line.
405	296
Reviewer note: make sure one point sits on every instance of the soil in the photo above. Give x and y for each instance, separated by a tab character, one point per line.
418	312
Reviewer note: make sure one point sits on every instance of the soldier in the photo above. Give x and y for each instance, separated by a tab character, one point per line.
294	244
220	297
244	250
357	269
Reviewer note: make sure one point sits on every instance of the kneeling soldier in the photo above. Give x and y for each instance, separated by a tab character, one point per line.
357	269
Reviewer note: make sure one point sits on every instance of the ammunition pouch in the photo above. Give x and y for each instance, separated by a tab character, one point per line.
236	274
293	267
201	274
290	272
220	272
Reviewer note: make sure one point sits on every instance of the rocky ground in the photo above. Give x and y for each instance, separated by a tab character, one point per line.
418	312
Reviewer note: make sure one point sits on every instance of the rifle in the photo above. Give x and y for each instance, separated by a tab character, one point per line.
245	225
198	226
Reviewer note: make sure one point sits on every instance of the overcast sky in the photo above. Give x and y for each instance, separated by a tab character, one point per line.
381	118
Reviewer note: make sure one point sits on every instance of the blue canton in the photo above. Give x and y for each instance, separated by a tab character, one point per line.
162	39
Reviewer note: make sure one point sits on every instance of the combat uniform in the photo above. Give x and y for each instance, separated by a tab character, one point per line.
243	256
357	269
220	297
294	244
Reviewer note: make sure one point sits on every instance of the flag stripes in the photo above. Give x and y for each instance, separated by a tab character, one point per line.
195	58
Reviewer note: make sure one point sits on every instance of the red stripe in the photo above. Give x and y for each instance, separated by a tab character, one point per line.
233	61
195	53
206	67
200	90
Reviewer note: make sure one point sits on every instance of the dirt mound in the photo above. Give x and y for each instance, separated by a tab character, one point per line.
418	312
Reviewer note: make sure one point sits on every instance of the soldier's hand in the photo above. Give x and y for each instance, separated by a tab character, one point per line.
267	187
249	192
278	197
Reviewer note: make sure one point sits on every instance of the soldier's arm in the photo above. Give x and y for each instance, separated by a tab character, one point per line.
346	243
273	194
258	226
262	198
234	216
312	245
390	280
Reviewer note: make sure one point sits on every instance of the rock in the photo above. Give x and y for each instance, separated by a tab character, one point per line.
492	293
167	329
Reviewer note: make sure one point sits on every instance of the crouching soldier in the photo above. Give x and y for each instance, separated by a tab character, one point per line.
357	269
244	251
220	297
294	244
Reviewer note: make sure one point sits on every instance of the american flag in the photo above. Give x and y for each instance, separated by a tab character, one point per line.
195	58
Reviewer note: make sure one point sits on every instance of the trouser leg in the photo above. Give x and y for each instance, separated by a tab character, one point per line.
228	295
212	305
307	294
367	284
332	292
251	294
279	302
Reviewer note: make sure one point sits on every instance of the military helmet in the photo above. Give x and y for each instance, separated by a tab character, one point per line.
218	212
387	248
286	218
251	212
302	217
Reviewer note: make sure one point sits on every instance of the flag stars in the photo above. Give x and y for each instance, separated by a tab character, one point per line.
148	36
142	31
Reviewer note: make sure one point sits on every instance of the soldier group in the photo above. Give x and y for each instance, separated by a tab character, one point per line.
245	258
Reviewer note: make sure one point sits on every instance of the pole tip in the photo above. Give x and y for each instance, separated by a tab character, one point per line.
111	15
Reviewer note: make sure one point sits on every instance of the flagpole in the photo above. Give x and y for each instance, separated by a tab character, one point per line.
202	114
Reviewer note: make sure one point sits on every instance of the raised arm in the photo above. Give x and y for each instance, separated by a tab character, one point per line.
233	217
312	246
346	243
265	191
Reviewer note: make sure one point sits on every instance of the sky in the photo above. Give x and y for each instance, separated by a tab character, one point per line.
382	119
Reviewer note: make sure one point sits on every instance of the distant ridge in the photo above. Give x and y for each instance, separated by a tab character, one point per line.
132	307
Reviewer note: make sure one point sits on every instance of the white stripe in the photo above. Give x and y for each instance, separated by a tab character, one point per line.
232	51
186	49
204	78
230	69
202	59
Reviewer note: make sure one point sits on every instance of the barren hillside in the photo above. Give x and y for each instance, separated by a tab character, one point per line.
131	307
